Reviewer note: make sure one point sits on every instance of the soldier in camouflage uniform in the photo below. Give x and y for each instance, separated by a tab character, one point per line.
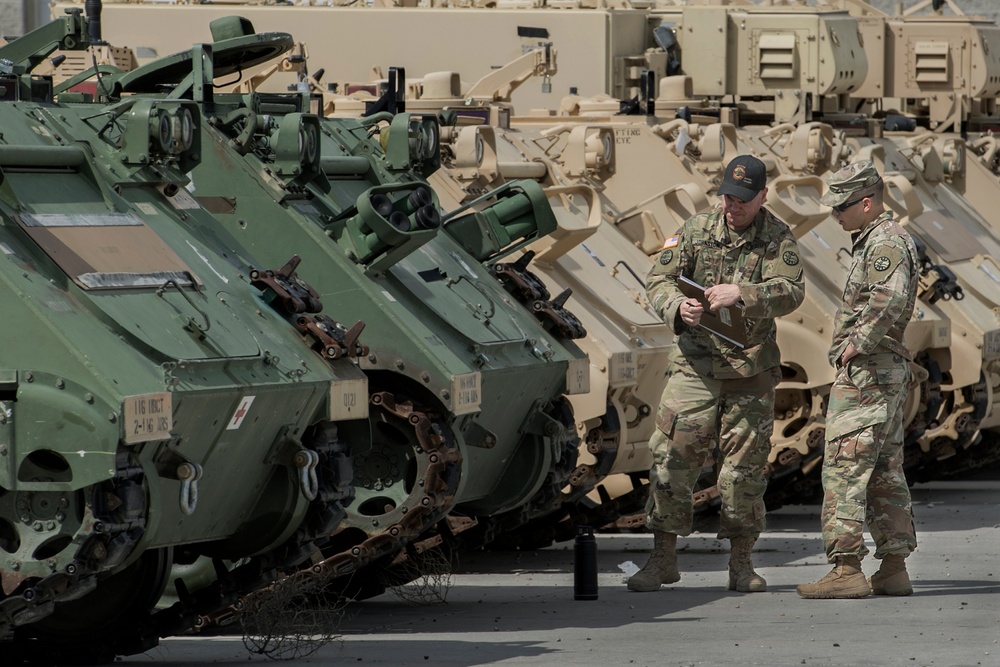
863	462
718	392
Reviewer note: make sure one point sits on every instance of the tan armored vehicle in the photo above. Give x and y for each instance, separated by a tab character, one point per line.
939	418
956	381
953	237
940	75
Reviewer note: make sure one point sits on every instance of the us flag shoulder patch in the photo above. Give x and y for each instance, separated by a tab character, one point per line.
672	241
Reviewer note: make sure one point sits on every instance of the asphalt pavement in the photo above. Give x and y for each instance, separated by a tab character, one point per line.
518	608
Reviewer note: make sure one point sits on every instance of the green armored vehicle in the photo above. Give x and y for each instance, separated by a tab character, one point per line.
467	415
154	406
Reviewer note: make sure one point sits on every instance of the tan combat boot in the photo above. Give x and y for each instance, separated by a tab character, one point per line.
846	580
661	568
742	578
891	578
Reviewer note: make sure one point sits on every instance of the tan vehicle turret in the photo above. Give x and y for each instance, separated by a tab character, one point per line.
943	69
778	61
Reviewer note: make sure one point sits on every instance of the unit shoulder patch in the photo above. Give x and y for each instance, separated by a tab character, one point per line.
786	261
882	260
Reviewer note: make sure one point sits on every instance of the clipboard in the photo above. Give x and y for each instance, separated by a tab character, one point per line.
727	323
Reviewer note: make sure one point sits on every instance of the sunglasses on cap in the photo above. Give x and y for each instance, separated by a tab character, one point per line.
840	208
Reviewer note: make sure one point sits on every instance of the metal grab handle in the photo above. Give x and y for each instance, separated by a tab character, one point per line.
189	474
208	323
479	287
622	262
241	143
306	461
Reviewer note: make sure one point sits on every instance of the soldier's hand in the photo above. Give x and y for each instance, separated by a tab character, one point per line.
849	353
691	310
722	296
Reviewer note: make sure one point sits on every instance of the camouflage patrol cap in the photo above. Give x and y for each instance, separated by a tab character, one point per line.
853	178
745	177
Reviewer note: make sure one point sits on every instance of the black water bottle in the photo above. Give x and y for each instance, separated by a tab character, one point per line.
585	564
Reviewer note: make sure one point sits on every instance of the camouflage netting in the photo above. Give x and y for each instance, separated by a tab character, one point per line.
292	618
298	615
427	575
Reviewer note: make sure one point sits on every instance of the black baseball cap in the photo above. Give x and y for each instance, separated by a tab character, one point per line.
745	177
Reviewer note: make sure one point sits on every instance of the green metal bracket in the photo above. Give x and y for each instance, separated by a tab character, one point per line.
520	215
391	222
412	142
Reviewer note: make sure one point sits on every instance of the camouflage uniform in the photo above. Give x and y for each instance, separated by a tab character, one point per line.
716	391
862	467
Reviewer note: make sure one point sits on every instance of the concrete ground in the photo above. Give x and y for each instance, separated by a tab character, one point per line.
518	608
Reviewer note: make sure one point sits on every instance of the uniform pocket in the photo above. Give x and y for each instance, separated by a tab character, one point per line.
892	377
848	511
845	421
666	419
709	263
847	448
